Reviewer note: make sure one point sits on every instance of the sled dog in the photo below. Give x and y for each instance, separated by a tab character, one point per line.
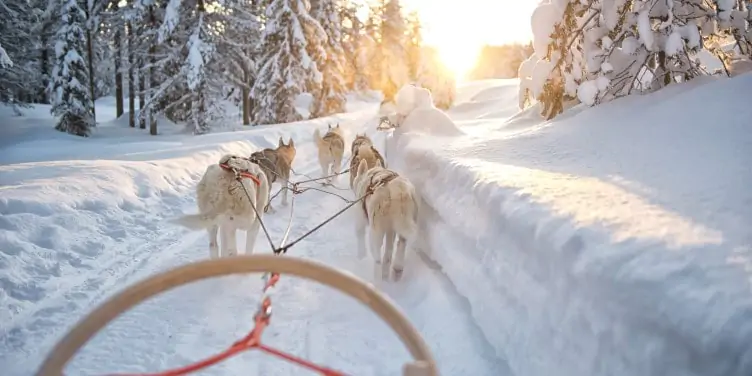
223	204
276	164
362	149
331	149
390	209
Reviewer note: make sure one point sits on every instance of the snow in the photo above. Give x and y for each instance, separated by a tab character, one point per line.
587	92
643	27
543	20
5	61
81	220
613	240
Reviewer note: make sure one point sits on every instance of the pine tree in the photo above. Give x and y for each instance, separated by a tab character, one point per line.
371	51
353	43
414	45
285	66
70	80
394	62
330	98
5	60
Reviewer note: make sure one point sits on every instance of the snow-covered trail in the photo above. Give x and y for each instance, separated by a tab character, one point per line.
198	320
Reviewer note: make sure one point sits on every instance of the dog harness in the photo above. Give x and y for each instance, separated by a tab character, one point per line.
373	185
242	174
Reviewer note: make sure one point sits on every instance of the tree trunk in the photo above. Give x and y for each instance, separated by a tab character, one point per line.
141	89
131	79
45	65
90	58
118	74
152	72
246	106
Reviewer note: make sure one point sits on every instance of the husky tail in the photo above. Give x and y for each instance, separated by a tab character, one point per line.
318	139
195	221
406	221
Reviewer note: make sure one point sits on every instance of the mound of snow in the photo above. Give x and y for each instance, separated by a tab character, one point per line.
614	240
486	99
417	114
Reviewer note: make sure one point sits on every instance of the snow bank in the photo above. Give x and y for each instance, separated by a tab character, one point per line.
612	241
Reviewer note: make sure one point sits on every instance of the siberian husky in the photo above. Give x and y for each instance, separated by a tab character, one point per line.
362	149
223	204
276	164
331	149
390	209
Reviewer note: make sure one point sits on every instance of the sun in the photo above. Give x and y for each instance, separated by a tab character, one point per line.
459	59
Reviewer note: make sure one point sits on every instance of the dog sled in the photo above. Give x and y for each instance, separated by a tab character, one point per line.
273	266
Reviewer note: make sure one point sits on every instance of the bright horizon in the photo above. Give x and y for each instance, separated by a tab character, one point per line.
459	32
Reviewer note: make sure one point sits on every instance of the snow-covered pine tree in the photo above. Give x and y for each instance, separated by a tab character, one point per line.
414	45
330	97
371	51
239	43
69	83
594	51
5	60
316	40
285	66
353	42
20	43
394	63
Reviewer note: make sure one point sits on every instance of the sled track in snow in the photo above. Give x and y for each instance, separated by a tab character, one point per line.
310	320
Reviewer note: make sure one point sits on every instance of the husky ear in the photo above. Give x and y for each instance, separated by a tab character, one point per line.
290	142
281	142
362	167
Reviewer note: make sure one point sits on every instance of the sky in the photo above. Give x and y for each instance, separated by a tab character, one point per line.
459	28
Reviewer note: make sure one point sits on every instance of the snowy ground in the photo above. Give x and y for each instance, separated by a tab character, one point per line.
613	241
81	219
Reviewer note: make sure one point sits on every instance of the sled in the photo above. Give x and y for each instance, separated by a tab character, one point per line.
272	266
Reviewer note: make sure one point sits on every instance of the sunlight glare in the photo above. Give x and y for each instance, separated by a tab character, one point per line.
459	32
458	58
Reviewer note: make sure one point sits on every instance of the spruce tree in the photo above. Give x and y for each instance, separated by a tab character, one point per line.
71	99
330	97
394	69
285	65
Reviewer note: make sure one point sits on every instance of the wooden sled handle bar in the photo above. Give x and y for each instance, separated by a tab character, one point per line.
86	328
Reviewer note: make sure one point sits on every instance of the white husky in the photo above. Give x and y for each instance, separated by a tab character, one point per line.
331	149
223	204
391	209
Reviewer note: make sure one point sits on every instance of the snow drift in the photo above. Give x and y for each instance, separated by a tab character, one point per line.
614	240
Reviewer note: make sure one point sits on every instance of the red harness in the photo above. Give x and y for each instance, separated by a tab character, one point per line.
244	174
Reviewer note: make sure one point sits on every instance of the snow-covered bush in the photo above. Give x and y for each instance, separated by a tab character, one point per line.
593	51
